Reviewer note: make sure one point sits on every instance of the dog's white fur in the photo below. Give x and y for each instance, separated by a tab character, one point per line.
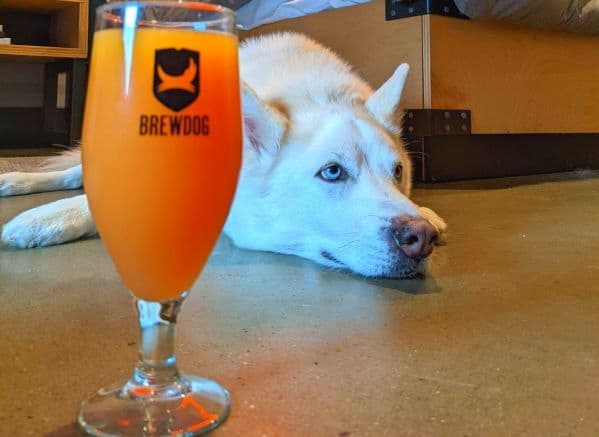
303	108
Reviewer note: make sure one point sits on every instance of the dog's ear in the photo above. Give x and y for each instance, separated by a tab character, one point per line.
383	103
263	125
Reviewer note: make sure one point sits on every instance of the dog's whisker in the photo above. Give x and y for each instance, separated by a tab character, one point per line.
349	244
419	154
410	140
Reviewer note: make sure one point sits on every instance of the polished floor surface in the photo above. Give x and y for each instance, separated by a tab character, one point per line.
501	338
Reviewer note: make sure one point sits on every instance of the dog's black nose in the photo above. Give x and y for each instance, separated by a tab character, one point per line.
414	236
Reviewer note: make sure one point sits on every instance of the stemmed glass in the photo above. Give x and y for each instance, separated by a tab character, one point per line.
161	155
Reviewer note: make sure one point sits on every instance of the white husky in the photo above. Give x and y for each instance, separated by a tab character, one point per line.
324	176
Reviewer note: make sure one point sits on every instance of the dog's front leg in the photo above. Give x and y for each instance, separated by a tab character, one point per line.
15	183
54	223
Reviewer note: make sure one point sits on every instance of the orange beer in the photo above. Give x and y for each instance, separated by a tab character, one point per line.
160	161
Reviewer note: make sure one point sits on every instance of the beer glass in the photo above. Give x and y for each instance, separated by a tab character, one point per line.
161	150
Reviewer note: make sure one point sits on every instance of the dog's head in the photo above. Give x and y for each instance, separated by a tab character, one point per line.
331	182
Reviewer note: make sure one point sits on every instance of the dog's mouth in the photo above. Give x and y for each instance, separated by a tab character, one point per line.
404	268
411	269
408	275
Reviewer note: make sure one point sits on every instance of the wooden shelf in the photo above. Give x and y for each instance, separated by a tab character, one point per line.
40	53
37	5
44	30
51	37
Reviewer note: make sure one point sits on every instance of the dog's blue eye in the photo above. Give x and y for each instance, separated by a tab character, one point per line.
332	173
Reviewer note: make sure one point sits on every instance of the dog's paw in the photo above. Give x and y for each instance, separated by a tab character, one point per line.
438	223
14	183
47	225
30	229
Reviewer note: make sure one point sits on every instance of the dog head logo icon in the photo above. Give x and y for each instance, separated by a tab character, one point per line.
176	77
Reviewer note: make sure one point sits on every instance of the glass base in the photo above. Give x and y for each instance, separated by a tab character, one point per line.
189	406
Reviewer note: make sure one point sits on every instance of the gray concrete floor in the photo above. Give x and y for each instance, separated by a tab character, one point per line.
501	338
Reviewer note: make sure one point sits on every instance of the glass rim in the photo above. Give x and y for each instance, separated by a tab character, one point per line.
201	6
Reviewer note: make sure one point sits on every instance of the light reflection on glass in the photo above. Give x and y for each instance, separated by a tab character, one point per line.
206	418
128	37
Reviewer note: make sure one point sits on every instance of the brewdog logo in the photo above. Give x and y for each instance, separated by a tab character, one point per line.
176	86
176	77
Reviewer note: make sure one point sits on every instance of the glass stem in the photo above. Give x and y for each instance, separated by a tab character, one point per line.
157	365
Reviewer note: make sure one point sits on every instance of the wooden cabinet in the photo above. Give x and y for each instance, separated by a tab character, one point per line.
514	79
531	96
